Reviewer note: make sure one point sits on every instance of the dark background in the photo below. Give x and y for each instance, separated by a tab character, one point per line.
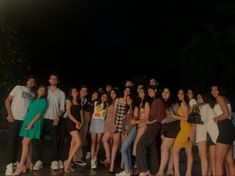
181	43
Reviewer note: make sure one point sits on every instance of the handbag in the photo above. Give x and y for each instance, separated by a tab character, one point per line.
194	117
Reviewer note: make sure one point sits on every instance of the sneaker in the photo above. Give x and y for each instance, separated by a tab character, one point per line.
88	155
9	169
38	165
80	163
54	165
123	173
15	164
93	163
61	164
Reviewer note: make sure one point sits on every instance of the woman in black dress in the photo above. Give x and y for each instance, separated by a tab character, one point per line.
74	124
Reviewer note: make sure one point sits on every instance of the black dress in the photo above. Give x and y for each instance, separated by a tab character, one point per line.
75	111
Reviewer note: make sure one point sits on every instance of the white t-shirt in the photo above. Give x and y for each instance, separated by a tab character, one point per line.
19	106
56	103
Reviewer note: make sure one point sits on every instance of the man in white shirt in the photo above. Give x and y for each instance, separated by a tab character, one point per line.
17	105
55	110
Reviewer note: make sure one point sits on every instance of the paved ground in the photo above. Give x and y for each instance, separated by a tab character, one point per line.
79	171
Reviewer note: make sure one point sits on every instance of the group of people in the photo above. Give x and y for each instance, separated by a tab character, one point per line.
150	126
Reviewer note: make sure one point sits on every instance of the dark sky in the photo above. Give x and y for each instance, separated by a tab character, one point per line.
109	39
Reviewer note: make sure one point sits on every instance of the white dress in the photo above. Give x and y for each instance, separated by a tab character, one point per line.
209	126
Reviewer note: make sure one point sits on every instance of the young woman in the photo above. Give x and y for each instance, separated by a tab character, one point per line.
223	146
184	137
129	132
170	129
120	110
148	142
144	109
97	127
74	124
109	127
32	128
206	135
192	101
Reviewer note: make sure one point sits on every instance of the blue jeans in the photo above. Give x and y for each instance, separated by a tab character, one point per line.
126	149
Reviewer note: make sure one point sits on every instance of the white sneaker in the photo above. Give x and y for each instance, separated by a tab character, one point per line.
80	163
88	155
38	165
95	159
123	173
54	165
61	164
93	163
15	164
9	170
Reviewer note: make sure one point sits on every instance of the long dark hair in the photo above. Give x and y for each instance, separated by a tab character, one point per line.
36	93
70	95
99	100
132	106
185	97
212	100
171	100
143	102
110	100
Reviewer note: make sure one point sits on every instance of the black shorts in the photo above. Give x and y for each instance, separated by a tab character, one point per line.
226	131
209	141
171	129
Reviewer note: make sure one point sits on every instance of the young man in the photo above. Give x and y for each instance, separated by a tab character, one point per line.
55	110
16	105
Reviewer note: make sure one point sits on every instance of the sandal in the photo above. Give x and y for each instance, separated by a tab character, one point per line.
145	174
105	163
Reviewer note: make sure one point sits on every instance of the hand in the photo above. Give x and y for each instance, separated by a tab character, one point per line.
148	122
78	125
175	116
56	121
133	122
10	118
163	121
191	137
215	120
124	133
29	126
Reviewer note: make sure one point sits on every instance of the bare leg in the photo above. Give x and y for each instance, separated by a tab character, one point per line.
73	149
170	168
221	151
203	156
93	143
189	161
229	162
116	141
25	149
176	161
105	139
211	163
99	135
165	152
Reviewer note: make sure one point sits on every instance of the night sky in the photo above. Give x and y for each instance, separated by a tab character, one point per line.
111	40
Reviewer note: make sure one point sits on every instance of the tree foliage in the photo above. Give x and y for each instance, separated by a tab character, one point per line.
208	56
14	56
